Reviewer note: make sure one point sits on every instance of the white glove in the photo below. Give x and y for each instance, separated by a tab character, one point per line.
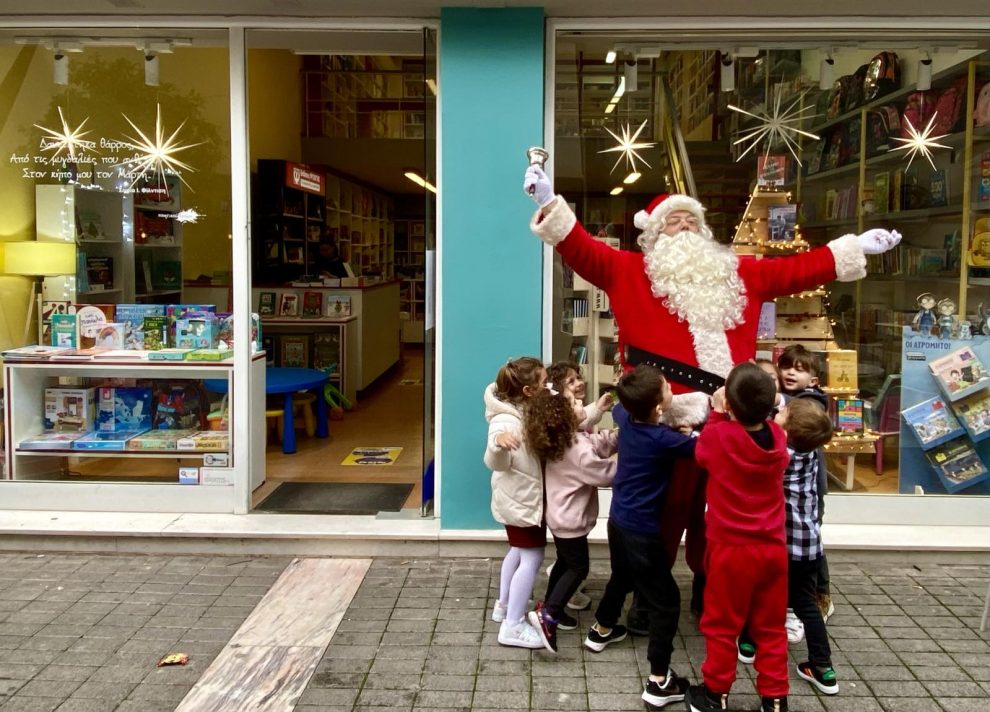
537	185
878	240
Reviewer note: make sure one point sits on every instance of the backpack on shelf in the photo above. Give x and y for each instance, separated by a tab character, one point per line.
883	75
840	97
918	110
883	123
949	107
981	111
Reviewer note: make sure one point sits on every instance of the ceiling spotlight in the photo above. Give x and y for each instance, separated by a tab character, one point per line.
419	180
151	69
631	178
610	57
925	72
825	72
630	72
60	68
616	190
728	73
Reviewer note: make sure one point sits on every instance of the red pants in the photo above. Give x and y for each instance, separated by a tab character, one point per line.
684	509
746	586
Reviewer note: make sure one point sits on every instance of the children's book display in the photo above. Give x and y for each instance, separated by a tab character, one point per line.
848	415
946	409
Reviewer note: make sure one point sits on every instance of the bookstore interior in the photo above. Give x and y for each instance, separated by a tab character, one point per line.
120	367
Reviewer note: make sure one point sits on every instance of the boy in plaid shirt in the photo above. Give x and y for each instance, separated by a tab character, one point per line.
808	428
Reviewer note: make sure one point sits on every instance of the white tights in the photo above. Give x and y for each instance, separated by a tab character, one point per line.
519	571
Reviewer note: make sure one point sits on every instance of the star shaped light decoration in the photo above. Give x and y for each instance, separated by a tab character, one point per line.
779	126
628	146
920	143
157	156
189	215
68	140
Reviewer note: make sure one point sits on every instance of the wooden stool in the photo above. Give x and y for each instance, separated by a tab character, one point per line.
302	411
273	417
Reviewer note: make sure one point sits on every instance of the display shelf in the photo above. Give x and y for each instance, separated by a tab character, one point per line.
157	241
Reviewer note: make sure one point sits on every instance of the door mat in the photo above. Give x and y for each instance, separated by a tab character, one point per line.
372	456
336	497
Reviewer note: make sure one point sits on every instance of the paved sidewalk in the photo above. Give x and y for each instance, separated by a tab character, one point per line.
82	633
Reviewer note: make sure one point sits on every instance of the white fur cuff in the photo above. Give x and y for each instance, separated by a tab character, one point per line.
850	262
687	409
557	224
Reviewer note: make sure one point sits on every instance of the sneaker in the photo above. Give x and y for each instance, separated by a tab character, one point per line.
699	698
580	601
637	621
546	627
773	704
673	689
826	606
565	621
824	680
498	612
794	627
520	635
746	651
597	642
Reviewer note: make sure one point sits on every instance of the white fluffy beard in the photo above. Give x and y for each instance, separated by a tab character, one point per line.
697	279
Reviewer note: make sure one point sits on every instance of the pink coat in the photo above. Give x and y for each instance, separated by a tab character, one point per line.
572	483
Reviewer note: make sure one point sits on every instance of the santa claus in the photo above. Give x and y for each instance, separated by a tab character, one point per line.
685	303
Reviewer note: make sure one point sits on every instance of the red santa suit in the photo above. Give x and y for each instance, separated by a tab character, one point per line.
667	313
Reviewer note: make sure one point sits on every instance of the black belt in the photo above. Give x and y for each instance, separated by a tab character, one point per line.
697	379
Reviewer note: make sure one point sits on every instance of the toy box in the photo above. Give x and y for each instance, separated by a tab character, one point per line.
197	332
124	408
104	441
70	409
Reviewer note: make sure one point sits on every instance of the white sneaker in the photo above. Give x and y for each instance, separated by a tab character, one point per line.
580	601
794	627
520	635
498	613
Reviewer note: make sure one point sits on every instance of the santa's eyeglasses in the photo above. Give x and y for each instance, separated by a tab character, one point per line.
688	220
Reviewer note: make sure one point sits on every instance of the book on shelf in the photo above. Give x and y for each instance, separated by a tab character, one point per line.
579	353
49	441
266	303
312	304
957	464
166	274
932	422
974	414
105	440
897	191
288	304
90	320
70	409
839	369
63	330
34	352
158	439
82	279
89	225
781	222
881	192
205	440
960	373
326	352
983	190
209	354
133	316
337	305
848	415
771	171
295	351
979	247
99	272
938	187
154	331
169	354
87	354
767	327
111	336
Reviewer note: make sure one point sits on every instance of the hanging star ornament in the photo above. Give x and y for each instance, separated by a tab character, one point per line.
158	156
68	140
779	126
920	143
628	146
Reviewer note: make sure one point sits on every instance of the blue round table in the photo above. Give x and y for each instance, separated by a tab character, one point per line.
287	381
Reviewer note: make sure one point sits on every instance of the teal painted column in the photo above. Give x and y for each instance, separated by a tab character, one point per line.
491	79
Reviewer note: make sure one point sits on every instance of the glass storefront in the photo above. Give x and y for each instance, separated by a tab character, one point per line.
789	147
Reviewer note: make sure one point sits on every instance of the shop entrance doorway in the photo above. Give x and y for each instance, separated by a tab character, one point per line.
342	142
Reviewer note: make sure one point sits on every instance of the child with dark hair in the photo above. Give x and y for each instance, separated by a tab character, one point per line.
745	455
517	496
647	453
799	369
576	463
808	428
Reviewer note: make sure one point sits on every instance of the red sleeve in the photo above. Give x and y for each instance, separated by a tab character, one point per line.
594	260
773	277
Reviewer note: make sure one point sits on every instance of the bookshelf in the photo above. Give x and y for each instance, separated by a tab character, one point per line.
158	244
360	221
410	270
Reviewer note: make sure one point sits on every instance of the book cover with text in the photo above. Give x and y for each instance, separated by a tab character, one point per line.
932	422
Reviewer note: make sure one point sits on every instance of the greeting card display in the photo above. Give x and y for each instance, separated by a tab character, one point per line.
974	414
959	374
932	423
957	464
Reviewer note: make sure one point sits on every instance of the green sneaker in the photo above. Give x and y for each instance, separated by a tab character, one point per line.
822	678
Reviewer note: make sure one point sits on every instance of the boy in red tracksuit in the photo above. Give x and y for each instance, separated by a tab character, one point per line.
745	455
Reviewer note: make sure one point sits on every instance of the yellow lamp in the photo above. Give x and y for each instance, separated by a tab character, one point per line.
38	259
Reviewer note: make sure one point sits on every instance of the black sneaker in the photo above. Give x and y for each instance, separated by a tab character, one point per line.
637	621
566	621
823	679
545	626
773	704
673	689
746	651
699	698
597	642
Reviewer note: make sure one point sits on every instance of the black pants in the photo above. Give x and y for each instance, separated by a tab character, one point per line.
822	587
568	572
639	564
802	585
